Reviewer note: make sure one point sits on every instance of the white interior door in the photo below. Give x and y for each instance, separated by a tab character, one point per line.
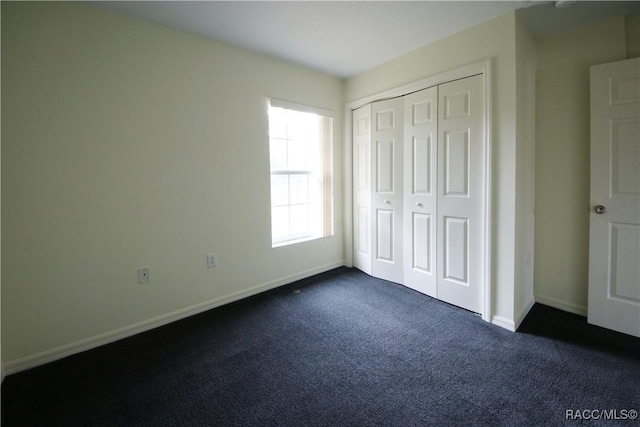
386	200
460	222
614	246
362	188
420	196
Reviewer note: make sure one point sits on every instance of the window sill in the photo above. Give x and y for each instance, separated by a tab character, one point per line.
298	240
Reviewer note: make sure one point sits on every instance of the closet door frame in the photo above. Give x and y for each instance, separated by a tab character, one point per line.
482	67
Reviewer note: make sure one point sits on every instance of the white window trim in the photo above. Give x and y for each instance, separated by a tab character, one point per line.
327	171
279	103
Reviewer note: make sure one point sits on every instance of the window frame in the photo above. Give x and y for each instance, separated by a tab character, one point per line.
324	174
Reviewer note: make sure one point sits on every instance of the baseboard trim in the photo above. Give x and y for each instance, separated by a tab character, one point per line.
503	322
524	311
562	305
513	325
52	355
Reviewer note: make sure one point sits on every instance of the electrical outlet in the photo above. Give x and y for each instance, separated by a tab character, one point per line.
144	275
211	260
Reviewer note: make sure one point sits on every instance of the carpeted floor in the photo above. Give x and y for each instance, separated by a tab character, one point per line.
339	349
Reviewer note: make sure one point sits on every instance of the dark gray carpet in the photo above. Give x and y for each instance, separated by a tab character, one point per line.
343	349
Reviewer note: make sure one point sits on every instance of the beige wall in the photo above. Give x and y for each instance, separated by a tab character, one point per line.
127	144
526	65
562	159
495	40
632	35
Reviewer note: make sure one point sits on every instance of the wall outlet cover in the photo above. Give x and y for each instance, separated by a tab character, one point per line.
144	275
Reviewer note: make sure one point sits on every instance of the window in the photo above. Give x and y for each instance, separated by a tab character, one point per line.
300	156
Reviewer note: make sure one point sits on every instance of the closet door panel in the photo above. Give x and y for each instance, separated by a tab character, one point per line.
384	236
422	239
456	163
420	154
386	200
456	250
362	189
421	150
385	170
461	198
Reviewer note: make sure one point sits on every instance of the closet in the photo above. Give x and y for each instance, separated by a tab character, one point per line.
419	202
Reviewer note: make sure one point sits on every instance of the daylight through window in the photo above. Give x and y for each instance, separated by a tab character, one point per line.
300	153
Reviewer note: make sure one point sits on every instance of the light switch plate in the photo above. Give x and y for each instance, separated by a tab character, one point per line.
211	260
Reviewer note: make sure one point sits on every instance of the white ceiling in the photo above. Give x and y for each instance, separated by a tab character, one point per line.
342	38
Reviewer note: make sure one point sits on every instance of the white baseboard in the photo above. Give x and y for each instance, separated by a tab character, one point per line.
562	305
524	311
503	322
47	356
513	325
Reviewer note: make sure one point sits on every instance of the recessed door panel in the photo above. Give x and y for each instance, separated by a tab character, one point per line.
625	157
385	120
422	243
385	166
362	158
624	90
363	125
624	260
421	165
457	105
363	231
456	162
422	112
456	249
384	235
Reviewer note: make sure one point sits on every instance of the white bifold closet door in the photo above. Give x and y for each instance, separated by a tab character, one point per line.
362	234
426	195
386	197
461	198
421	197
